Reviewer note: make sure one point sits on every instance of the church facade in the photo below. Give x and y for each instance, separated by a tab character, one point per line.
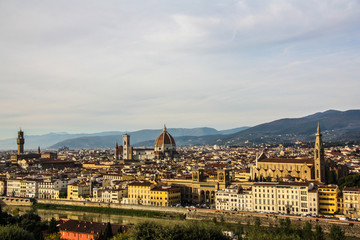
317	169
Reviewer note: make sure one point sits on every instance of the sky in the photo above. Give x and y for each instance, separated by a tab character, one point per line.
88	66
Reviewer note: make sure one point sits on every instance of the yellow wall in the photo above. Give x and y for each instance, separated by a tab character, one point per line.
165	197
328	199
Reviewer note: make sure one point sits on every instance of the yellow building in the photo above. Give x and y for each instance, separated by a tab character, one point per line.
76	190
243	175
328	199
95	166
139	193
2	186
23	188
351	198
165	196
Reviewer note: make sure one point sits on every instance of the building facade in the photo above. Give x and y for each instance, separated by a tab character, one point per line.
299	169
351	197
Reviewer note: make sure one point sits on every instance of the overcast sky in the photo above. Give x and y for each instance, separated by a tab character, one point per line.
88	66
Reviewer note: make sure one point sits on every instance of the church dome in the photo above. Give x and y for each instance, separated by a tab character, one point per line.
165	142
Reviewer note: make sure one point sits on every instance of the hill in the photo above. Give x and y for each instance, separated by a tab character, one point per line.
142	138
335	126
33	141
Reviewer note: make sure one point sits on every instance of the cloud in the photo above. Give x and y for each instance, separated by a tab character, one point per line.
131	65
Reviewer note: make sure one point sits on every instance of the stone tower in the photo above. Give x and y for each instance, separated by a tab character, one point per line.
126	146
116	151
319	160
20	142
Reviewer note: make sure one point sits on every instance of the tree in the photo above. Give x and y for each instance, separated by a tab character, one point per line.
32	222
336	233
52	227
53	236
306	232
108	231
319	234
12	232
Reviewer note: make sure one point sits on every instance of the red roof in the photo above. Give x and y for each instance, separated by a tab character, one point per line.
78	226
164	138
287	160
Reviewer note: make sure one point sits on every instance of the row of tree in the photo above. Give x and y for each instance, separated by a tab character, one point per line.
25	227
284	230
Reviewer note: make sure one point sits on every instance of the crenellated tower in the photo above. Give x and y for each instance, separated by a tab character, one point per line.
20	142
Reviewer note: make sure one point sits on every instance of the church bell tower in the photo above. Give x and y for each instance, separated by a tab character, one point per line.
126	146
319	160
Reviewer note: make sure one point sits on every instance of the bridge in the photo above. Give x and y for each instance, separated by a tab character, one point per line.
15	201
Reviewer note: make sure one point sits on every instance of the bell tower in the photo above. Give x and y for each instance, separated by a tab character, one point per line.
319	160
20	142
126	146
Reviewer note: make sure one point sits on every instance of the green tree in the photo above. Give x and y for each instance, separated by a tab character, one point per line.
32	222
239	230
52	227
13	232
121	236
53	236
336	233
108	231
307	234
319	234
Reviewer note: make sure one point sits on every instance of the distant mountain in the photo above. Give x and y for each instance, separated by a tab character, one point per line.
138	138
234	130
335	126
46	140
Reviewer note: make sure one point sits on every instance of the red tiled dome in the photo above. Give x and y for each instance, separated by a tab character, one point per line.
164	139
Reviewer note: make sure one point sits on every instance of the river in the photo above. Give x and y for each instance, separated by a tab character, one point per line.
47	214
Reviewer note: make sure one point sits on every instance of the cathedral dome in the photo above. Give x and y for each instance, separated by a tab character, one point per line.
165	142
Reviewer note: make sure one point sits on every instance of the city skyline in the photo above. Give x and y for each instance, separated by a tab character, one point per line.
124	66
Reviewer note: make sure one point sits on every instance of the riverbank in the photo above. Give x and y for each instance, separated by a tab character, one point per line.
172	213
102	210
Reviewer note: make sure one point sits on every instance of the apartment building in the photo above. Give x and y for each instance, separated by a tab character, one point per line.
264	197
351	198
297	198
109	195
328	199
165	196
51	189
2	187
76	190
13	187
139	193
234	199
274	197
32	188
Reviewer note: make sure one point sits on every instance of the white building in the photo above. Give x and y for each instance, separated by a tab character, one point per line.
50	189
32	187
285	197
298	198
13	188
109	195
233	199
